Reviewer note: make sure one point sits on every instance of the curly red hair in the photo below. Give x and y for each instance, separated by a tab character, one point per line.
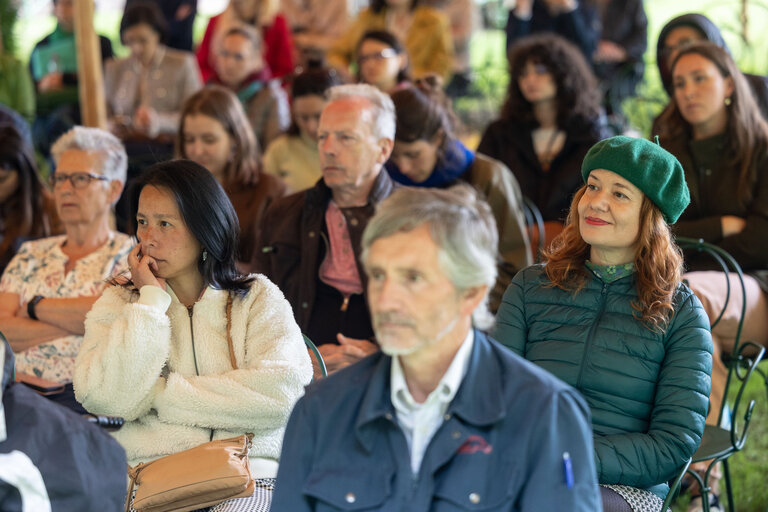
658	263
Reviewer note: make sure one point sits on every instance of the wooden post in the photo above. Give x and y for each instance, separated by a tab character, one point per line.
90	78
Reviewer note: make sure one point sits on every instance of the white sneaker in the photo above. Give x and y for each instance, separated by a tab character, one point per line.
696	504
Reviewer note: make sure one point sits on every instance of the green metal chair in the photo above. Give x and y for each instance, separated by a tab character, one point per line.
721	441
533	219
318	362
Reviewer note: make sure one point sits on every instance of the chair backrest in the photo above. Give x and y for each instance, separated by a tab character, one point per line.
727	265
533	219
318	362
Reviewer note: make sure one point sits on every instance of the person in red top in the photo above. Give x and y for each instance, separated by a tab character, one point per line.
278	45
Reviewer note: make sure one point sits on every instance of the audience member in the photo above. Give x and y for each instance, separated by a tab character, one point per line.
463	16
428	154
179	15
293	157
246	363
315	24
425	33
689	28
260	14
311	240
51	458
51	283
549	121
713	126
435	422
382	61
609	315
619	57
53	67
27	211
574	20
240	67
215	133
145	91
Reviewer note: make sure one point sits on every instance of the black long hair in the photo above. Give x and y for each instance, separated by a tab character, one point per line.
24	213
145	12
208	214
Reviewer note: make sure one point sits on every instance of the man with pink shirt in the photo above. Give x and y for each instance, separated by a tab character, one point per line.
310	241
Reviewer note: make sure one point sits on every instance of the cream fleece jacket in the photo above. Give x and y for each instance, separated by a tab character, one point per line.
138	360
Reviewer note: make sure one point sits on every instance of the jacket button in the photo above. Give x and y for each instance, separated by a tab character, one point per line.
447	417
456	434
474	498
388	416
353	221
311	234
304	305
350	497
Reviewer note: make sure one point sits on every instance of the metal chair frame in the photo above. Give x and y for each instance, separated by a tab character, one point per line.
313	348
719	443
533	218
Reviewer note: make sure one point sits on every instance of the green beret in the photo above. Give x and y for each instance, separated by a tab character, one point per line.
647	166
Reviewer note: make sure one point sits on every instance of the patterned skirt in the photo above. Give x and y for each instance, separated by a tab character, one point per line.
639	500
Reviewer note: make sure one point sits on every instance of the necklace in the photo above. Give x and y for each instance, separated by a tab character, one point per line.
550	150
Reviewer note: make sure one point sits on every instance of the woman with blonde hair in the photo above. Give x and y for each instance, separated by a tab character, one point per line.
215	133
608	314
262	14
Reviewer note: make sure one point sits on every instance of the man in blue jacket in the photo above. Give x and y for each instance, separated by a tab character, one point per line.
443	418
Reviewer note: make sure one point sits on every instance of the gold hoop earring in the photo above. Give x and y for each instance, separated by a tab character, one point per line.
728	101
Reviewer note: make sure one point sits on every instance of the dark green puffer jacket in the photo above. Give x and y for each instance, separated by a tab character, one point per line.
648	392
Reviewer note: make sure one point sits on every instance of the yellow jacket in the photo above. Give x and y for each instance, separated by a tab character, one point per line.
429	43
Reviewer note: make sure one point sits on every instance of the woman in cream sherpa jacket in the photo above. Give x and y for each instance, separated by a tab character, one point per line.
165	367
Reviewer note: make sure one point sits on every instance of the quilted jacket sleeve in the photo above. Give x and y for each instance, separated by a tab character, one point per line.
679	410
262	391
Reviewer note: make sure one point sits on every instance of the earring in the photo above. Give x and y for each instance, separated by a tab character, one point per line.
205	254
728	101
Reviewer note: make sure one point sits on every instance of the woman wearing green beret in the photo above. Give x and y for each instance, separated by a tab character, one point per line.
608	314
714	127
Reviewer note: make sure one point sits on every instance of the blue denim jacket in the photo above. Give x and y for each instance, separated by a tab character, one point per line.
500	447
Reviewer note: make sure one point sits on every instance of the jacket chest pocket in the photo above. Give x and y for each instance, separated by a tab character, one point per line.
469	486
283	262
350	489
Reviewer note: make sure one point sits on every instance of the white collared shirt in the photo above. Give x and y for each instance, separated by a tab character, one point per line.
419	422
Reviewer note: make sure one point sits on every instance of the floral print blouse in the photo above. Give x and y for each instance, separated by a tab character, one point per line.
38	269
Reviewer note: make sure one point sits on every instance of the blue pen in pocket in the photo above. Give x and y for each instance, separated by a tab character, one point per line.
568	470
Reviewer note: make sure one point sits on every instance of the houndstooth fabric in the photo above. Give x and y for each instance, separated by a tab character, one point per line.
639	499
259	501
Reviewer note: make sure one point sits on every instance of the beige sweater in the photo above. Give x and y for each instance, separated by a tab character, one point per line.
138	361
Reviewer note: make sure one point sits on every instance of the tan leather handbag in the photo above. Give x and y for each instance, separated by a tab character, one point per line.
196	478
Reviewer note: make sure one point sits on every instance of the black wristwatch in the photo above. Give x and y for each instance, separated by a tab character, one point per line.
31	306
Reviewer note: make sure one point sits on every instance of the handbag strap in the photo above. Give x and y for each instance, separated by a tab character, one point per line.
229	332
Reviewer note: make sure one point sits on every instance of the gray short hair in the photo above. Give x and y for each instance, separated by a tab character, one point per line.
461	224
383	108
114	160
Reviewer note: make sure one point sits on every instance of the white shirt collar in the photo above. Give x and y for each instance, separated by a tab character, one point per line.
447	387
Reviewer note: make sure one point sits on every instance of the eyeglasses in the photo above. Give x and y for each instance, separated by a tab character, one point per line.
77	179
386	53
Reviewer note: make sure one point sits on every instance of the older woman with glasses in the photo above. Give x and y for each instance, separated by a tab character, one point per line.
51	283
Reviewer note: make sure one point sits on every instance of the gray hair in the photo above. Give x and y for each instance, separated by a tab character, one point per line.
382	106
460	223
114	161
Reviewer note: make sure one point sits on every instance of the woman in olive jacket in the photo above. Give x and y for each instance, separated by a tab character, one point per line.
609	315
